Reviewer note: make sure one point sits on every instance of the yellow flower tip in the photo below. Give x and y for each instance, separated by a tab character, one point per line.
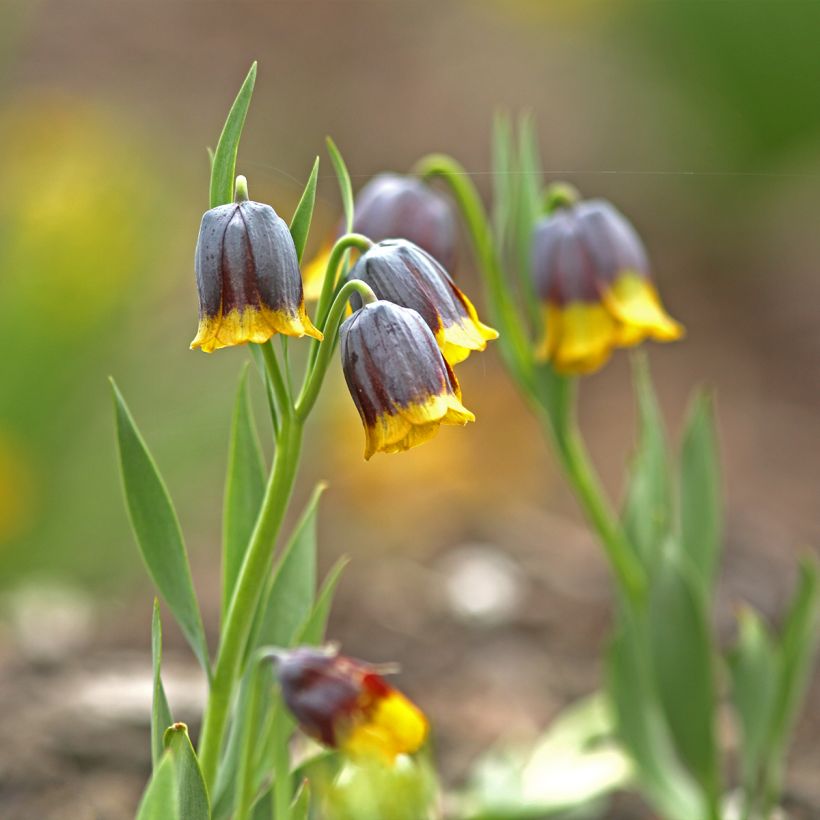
252	324
635	303
413	425
394	726
579	337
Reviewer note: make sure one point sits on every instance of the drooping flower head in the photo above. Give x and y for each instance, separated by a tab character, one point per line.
346	704
247	274
592	274
402	386
392	206
403	273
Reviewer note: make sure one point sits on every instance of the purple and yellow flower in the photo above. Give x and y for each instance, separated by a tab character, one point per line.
592	274
346	704
403	273
392	206
248	279
402	386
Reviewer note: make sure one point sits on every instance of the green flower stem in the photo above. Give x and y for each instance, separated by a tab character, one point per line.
342	245
252	575
245	775
512	339
316	374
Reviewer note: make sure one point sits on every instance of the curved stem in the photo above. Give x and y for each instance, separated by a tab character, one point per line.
280	389
316	374
248	589
503	315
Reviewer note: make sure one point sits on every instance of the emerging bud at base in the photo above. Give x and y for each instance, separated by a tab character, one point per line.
406	275
346	704
248	278
402	386
592	274
393	206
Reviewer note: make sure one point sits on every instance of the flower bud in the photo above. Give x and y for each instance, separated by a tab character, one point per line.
393	206
346	704
248	278
402	386
592	275
403	273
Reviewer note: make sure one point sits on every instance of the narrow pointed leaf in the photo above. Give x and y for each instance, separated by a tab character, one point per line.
192	794
700	510
159	801
244	490
156	528
300	224
313	630
300	808
345	188
683	664
160	711
223	167
751	664
647	515
503	177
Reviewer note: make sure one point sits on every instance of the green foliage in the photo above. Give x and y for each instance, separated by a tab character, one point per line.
160	711
343	178
244	490
302	216
157	529
700	502
192	796
223	166
159	802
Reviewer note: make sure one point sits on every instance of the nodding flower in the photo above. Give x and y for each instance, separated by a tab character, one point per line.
248	279
346	704
401	384
403	273
592	275
392	206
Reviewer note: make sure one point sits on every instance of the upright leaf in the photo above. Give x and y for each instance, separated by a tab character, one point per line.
223	166
752	664
160	711
300	808
159	801
157	529
302	216
289	597
683	664
647	515
192	795
244	490
700	502
313	629
503	178
343	177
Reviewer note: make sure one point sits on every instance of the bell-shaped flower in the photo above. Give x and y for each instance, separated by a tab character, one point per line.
401	384
396	206
403	273
346	704
592	275
247	275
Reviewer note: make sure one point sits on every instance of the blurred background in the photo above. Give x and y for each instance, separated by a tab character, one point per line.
471	565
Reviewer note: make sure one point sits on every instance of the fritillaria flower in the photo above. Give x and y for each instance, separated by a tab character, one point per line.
346	704
401	384
392	206
403	273
248	278
592	275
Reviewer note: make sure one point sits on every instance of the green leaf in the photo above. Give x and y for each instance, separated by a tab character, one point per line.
289	597
300	224
641	726
343	177
797	647
313	630
683	663
300	808
700	510
752	665
191	791
160	711
647	514
503	178
223	167
157	529
244	490
159	801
